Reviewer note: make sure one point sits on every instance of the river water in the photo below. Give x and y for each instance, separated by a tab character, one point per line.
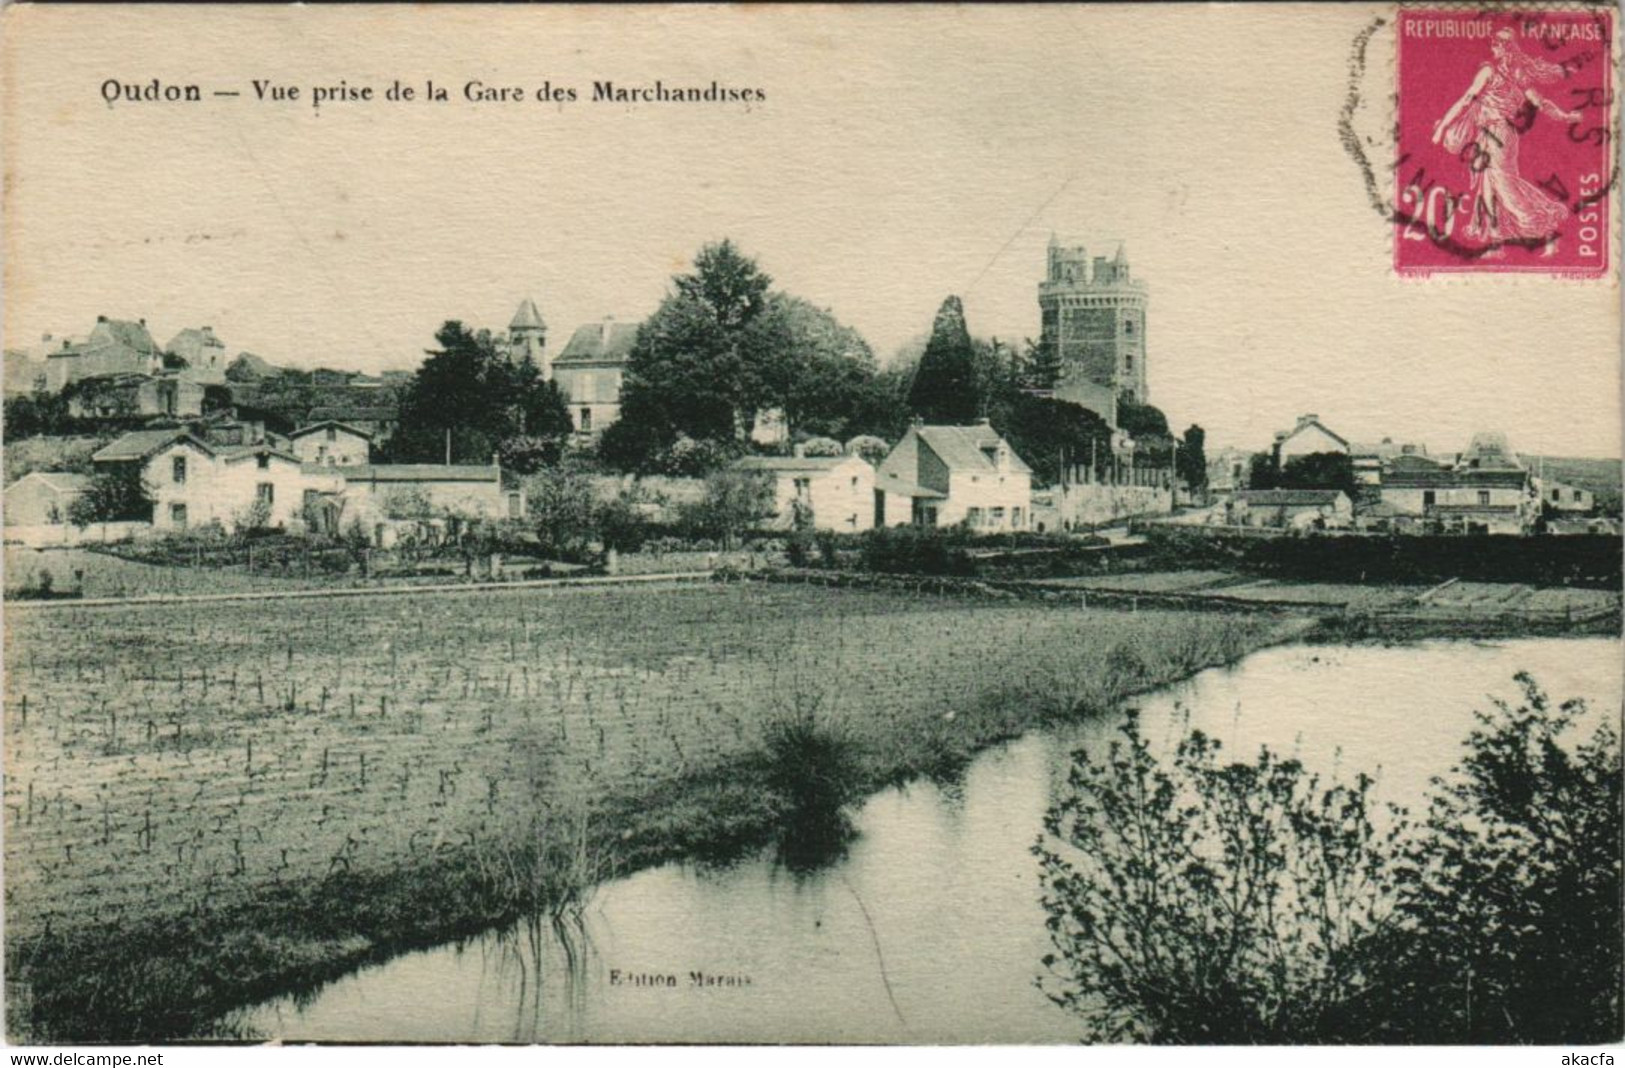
928	930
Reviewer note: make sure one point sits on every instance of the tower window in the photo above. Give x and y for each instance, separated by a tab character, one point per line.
1128	361
1128	327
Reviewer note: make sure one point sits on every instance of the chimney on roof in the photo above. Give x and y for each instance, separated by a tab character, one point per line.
984	421
916	422
800	450
1305	420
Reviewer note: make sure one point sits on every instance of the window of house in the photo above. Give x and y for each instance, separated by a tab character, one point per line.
803	487
332	434
854	481
1015	517
515	507
1483	496
264	461
177	469
1429	498
1128	327
1576	494
973	516
177	515
1128	362
265	492
998	517
1557	495
586	419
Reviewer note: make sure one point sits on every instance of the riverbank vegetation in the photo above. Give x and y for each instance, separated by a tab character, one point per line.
223	802
1198	899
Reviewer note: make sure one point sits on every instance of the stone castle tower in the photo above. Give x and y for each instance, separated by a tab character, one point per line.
527	336
1094	317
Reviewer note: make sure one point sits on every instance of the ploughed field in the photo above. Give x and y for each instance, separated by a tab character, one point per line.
177	767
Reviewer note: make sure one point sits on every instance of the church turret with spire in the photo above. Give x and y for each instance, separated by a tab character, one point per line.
1094	320
527	336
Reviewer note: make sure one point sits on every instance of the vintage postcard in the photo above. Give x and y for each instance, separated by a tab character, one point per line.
923	525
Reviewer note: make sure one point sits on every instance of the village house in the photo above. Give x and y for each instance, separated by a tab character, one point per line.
1291	509
1571	500
1307	438
1370	461
42	498
135	395
832	492
114	347
1227	470
590	372
331	444
1484	493
203	353
193	483
947	475
37	512
378	421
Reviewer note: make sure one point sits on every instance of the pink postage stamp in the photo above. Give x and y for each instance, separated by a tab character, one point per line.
1506	141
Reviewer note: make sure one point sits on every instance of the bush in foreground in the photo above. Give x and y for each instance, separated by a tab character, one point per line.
1204	901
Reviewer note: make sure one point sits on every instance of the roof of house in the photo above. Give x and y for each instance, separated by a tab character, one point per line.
1430	476
603	341
962	447
1306	497
793	463
1307	421
415	472
324	424
355	413
233	453
192	339
60	481
527	317
1490	445
140	444
134	335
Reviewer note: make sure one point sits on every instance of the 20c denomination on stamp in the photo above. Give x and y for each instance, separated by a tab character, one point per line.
1506	137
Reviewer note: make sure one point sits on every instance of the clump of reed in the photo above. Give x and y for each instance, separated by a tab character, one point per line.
810	767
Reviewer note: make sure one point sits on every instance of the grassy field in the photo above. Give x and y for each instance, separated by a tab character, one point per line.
207	804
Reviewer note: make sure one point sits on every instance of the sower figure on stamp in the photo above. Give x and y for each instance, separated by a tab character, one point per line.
1487	122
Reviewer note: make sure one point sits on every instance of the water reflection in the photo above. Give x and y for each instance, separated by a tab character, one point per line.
924	925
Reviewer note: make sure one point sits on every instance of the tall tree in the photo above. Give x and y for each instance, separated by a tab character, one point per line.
723	347
1192	461
688	372
805	362
945	386
472	401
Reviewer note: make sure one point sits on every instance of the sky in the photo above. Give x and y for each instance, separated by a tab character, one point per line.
901	155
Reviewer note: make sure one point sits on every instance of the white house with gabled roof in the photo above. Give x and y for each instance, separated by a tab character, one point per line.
1309	436
947	475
